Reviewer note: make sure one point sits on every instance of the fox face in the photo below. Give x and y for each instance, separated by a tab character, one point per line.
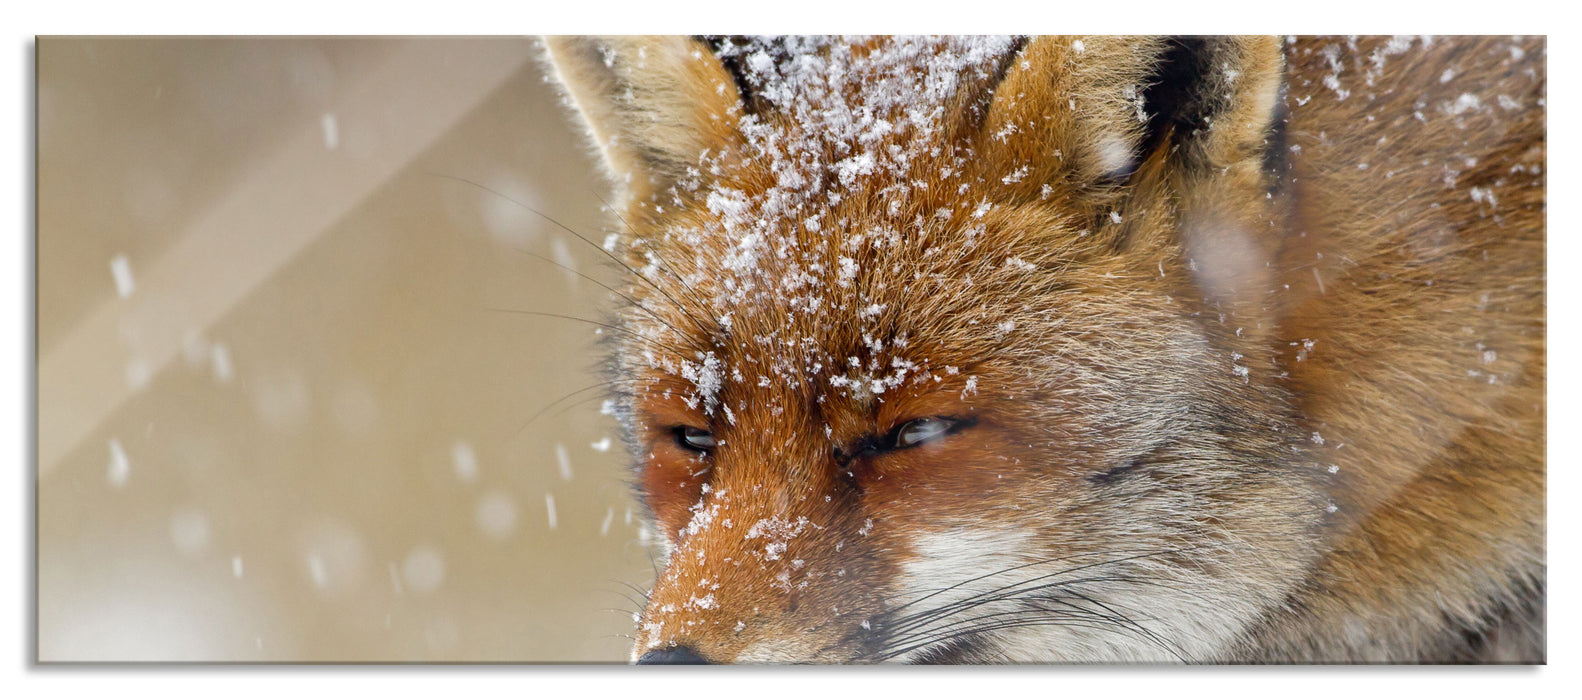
954	349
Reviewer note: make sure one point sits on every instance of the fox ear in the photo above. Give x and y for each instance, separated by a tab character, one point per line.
651	104
1089	111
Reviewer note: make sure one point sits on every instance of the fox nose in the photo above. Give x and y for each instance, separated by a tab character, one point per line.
672	655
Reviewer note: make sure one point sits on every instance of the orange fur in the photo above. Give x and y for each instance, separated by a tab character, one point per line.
1223	386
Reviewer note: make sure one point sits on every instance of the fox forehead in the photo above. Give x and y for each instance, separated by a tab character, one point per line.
872	310
850	254
846	238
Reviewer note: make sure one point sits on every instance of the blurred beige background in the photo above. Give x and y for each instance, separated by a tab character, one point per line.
278	419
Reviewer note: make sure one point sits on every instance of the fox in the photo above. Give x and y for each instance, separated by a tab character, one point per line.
1078	349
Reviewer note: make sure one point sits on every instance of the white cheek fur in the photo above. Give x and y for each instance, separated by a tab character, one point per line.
1175	614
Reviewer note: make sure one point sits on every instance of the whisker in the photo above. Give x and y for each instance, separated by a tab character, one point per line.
946	630
999	572
1118	622
624	596
928	615
638	590
923	625
606	287
583	402
885	656
687	289
552	404
678	352
1113	616
653	285
1130	623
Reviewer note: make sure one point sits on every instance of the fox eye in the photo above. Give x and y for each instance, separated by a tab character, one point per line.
694	439
922	430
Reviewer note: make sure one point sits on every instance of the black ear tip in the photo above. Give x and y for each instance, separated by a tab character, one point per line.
671	655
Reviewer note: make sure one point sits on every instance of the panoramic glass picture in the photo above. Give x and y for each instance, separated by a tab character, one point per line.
791	350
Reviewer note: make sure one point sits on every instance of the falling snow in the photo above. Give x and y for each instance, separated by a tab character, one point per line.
423	570
120	468
189	531
563	461
495	515
121	272
220	363
464	462
332	131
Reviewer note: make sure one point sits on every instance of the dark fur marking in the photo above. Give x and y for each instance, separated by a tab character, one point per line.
1114	475
1175	101
723	47
1276	164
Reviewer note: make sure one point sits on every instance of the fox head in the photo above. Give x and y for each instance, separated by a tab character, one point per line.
949	349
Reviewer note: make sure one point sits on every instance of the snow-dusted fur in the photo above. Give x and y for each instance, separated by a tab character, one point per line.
1240	342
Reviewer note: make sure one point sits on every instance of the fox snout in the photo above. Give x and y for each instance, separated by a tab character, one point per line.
674	656
747	584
